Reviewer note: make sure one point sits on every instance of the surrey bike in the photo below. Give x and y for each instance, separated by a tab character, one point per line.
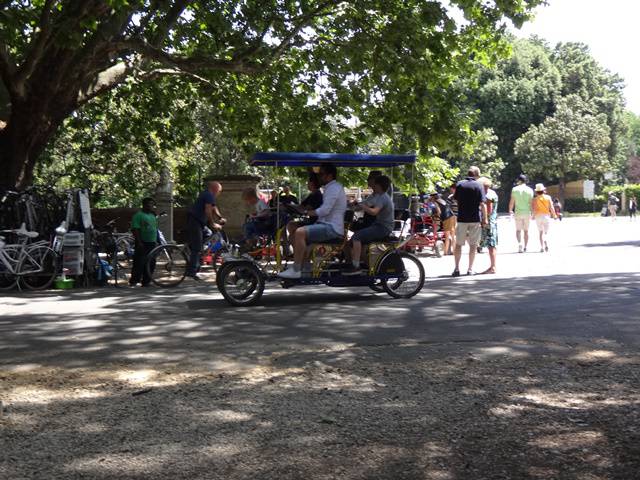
241	279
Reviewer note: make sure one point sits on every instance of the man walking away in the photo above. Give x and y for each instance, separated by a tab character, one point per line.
203	212
543	211
144	226
633	208
520	205
612	202
472	213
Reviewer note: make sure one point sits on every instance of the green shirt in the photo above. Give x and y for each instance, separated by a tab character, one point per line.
147	223
522	196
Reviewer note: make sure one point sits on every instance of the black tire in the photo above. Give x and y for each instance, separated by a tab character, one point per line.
241	283
410	274
167	265
38	268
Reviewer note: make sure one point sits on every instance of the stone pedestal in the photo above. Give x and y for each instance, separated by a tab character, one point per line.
164	203
230	200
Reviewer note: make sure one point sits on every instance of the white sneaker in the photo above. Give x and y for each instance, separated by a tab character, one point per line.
290	273
520	249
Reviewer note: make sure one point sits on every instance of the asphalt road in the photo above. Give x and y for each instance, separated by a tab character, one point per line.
586	288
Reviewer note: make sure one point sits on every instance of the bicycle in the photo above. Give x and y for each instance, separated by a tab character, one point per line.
167	263
32	265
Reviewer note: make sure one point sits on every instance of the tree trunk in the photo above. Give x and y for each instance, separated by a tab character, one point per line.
561	187
22	141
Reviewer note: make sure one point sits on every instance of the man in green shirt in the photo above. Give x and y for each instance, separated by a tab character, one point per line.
520	204
144	226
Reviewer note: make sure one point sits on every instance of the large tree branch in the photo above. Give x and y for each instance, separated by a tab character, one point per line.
105	81
37	45
7	70
169	20
193	64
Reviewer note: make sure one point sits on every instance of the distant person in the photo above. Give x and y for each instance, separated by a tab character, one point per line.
543	212
273	199
520	207
633	208
489	237
612	203
472	213
447	220
453	205
259	222
557	206
286	197
203	213
144	226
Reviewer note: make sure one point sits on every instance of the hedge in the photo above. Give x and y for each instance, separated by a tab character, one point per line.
582	205
630	190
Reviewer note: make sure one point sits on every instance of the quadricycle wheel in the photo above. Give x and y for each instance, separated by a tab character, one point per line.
241	283
403	274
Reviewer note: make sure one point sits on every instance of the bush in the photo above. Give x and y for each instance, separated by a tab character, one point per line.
582	205
630	190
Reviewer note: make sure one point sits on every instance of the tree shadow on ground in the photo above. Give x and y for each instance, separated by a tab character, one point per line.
88	328
406	412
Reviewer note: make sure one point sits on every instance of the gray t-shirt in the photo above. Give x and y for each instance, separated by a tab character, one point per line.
385	216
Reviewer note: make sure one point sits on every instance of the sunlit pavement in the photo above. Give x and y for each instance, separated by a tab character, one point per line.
584	289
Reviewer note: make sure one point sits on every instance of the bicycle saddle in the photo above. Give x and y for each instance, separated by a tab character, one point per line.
23	232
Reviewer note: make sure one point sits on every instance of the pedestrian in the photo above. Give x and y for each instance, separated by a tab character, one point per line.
286	197
489	238
472	213
612	203
144	225
520	208
557	207
448	221
543	212
633	208
453	205
203	212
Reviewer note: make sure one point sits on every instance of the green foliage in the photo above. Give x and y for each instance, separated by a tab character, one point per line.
313	75
573	141
481	150
629	189
583	205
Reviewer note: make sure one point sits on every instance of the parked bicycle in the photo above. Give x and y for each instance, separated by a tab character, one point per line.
30	265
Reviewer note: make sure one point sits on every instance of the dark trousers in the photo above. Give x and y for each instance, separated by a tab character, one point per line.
195	239
139	271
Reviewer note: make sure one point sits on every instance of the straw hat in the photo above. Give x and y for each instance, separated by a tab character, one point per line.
540	187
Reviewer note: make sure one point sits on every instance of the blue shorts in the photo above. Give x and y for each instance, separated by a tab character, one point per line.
373	233
321	232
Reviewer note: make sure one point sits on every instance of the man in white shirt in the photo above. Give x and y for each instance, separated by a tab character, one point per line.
330	224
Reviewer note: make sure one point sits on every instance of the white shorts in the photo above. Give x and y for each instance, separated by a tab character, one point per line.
468	232
543	222
522	222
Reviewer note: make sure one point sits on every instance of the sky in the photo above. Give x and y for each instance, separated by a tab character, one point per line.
608	27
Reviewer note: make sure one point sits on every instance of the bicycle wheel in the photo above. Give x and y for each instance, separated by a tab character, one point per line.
167	265
241	283
38	268
405	274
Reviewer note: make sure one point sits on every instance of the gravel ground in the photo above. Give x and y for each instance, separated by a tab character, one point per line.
456	411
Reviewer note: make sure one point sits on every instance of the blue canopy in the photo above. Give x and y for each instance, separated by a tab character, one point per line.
300	159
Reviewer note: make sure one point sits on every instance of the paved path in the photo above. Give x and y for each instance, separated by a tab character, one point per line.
585	289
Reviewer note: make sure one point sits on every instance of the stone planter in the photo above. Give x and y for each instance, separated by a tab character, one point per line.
230	200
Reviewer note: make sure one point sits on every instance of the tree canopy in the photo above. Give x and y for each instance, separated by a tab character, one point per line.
313	62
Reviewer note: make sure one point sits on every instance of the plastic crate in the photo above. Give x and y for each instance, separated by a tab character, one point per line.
73	239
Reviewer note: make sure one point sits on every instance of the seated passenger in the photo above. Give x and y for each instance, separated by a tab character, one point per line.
311	201
380	206
330	224
260	221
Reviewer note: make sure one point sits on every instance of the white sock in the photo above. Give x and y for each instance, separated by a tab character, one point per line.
356	263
